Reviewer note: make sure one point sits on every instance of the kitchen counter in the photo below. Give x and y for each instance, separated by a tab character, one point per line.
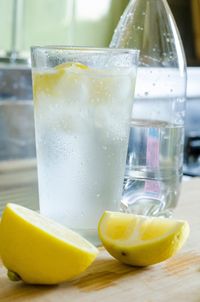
177	279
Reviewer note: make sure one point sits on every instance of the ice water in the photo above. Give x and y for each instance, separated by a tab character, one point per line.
82	118
154	167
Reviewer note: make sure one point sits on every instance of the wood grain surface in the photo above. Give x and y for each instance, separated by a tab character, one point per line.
177	279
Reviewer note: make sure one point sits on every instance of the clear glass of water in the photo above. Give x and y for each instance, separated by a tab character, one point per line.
82	103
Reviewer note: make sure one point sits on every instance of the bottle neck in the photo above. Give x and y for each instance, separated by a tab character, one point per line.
148	25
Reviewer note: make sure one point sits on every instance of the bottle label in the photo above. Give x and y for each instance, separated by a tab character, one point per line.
152	161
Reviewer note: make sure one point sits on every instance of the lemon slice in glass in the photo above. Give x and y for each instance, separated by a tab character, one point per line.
40	251
139	240
45	81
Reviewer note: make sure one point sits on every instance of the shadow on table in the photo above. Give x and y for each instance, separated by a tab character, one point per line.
105	273
20	291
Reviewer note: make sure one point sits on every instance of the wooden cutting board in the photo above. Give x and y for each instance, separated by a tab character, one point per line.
177	279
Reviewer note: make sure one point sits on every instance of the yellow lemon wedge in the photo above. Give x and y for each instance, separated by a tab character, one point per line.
46	81
40	251
70	64
139	240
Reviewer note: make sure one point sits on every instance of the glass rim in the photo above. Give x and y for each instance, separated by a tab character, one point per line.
87	49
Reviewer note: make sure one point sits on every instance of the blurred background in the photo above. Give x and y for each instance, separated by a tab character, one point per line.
81	22
24	23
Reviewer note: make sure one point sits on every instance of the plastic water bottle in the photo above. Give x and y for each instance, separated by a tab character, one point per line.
155	154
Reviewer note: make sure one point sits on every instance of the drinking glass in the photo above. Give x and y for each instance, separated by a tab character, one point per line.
82	104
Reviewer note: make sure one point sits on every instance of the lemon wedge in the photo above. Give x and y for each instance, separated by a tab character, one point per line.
70	64
46	81
40	251
139	240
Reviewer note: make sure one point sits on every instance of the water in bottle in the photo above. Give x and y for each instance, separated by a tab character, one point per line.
155	154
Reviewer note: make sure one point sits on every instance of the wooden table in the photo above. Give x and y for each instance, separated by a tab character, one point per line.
177	279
